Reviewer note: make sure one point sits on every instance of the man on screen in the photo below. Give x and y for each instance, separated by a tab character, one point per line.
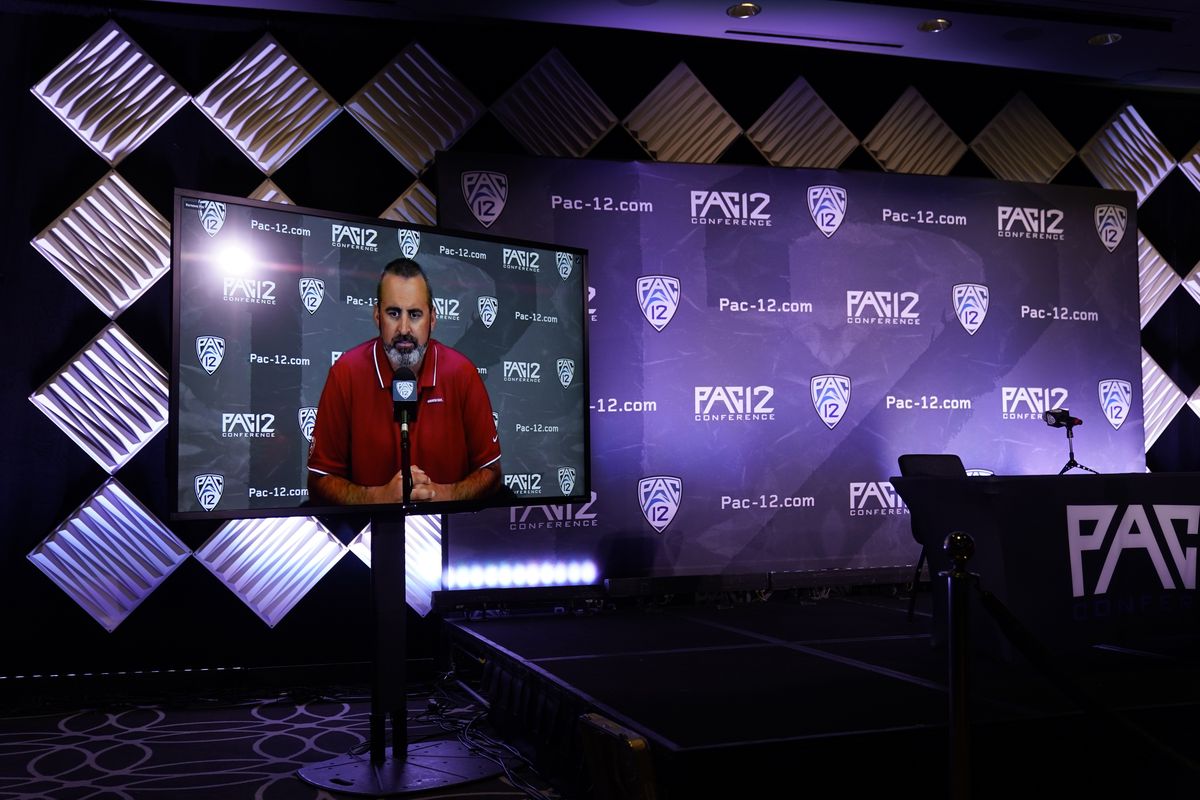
356	446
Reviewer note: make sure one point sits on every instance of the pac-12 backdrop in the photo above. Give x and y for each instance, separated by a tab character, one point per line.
766	342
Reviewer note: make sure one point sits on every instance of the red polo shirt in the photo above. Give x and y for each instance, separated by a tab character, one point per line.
356	435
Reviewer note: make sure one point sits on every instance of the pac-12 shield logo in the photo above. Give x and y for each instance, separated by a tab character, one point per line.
658	297
312	292
1115	398
659	498
827	205
566	479
212	215
307	418
971	305
410	242
566	371
209	488
488	307
211	352
830	396
565	263
1110	224
485	193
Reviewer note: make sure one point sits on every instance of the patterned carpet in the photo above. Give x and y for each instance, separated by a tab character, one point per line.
251	748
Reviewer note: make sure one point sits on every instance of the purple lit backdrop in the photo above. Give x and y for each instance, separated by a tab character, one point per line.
710	424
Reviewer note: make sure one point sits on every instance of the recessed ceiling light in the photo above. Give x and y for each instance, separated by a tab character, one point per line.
934	25
1103	39
743	10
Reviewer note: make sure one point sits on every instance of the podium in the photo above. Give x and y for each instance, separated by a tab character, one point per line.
1079	560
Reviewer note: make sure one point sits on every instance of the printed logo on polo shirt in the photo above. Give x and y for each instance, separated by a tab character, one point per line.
410	242
307	419
485	194
659	497
312	292
488	307
830	397
970	305
565	263
658	297
1116	396
210	350
209	488
1111	221
212	215
827	206
354	237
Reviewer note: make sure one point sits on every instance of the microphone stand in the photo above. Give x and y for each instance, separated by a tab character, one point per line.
401	768
1071	462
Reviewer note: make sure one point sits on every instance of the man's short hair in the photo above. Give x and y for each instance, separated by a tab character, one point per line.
404	268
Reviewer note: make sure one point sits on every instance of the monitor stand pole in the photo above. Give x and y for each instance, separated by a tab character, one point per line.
418	767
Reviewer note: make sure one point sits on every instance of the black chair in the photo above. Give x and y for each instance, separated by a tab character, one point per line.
927	465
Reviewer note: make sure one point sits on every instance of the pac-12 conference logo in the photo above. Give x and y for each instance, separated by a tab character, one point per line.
212	215
830	396
1024	222
312	292
1115	399
827	205
1110	224
485	193
566	371
566	480
209	488
659	497
354	237
211	352
306	417
488	307
730	208
658	297
565	263
970	305
410	242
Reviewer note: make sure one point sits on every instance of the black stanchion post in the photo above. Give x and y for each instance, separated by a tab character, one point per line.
959	547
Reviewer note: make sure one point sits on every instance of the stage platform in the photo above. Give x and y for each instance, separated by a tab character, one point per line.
830	689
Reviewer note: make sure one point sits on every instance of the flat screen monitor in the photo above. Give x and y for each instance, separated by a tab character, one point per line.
268	296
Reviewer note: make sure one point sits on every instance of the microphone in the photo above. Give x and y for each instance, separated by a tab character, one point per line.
404	396
1061	418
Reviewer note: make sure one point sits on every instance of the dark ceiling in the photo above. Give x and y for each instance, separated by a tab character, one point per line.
1155	43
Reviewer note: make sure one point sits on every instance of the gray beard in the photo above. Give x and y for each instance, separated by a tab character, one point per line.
399	359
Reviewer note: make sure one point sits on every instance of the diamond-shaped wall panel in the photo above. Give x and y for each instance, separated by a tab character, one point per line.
417	205
1156	278
681	121
799	130
1192	283
271	563
912	138
110	398
1161	399
111	93
1020	144
414	107
267	104
1190	166
1125	154
268	191
111	244
422	558
552	110
110	554
1194	402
